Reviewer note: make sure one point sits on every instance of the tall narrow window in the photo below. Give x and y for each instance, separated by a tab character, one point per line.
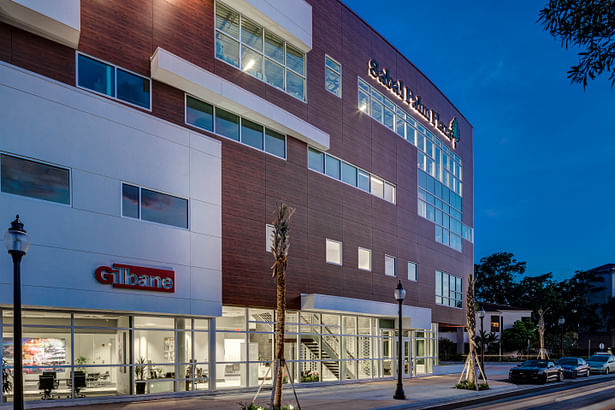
269	237
33	179
412	273
365	259
333	76
390	265
334	252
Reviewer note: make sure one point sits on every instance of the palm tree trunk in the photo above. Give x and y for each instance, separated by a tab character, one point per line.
279	335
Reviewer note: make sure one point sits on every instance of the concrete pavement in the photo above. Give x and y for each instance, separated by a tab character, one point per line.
420	392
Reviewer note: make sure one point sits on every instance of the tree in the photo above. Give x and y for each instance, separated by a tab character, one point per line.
495	278
279	249
588	25
516	337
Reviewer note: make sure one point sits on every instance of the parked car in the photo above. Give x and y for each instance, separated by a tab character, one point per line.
602	363
540	371
573	367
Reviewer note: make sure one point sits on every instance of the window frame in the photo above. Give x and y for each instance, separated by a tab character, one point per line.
395	274
447	296
140	218
240	141
341	245
51	164
369	251
115	68
328	57
262	53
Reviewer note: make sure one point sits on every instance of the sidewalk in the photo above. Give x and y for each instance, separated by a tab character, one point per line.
420	392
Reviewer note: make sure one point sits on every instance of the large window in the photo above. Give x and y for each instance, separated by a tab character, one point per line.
333	252
154	206
449	290
244	44
350	174
113	81
333	76
222	122
34	179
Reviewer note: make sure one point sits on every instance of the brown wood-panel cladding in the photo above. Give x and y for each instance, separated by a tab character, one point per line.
127	32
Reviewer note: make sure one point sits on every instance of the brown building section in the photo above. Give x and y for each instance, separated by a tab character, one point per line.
127	32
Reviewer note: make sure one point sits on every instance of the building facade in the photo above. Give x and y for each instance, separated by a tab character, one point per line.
146	145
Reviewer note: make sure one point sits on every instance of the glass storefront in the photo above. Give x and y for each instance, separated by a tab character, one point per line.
79	354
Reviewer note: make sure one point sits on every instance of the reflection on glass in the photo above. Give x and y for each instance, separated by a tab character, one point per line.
274	47
96	76
251	134
275	143
252	62
227	49
332	82
227	124
349	174
199	113
274	74
295	85
295	59
32	179
315	160
251	34
363	180
227	20
130	201
163	208
332	167
133	88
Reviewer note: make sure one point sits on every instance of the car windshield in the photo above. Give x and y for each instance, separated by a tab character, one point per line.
534	363
598	358
567	361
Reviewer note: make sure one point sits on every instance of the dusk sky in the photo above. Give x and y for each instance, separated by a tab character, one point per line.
544	149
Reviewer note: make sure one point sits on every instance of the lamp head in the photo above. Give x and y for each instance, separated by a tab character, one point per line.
400	292
481	314
16	239
561	320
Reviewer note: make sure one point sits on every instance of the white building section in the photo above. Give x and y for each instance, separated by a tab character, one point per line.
105	144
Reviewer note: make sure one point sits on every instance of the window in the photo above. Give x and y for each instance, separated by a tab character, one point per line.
350	174
244	44
215	119
268	237
334	252
448	290
495	324
113	81
390	265
316	160
148	205
412	273
365	259
34	179
333	76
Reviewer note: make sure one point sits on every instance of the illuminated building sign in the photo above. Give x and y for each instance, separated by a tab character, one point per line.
136	277
409	97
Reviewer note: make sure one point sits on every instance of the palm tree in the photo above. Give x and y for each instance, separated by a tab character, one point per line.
279	249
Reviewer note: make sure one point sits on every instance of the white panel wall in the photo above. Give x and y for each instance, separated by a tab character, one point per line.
104	143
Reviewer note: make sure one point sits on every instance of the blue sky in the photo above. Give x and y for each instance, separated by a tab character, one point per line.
544	149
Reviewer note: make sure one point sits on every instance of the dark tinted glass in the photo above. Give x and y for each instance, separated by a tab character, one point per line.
315	160
275	143
163	208
33	179
96	76
251	134
227	124
133	88
199	114
130	201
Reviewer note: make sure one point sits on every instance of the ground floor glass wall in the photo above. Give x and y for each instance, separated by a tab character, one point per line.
78	355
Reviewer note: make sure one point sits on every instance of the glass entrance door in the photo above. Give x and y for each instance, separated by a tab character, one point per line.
406	351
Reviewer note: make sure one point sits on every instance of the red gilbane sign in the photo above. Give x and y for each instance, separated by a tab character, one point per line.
136	277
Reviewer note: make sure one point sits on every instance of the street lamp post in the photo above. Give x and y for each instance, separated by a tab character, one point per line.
17	242
400	294
561	322
482	339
